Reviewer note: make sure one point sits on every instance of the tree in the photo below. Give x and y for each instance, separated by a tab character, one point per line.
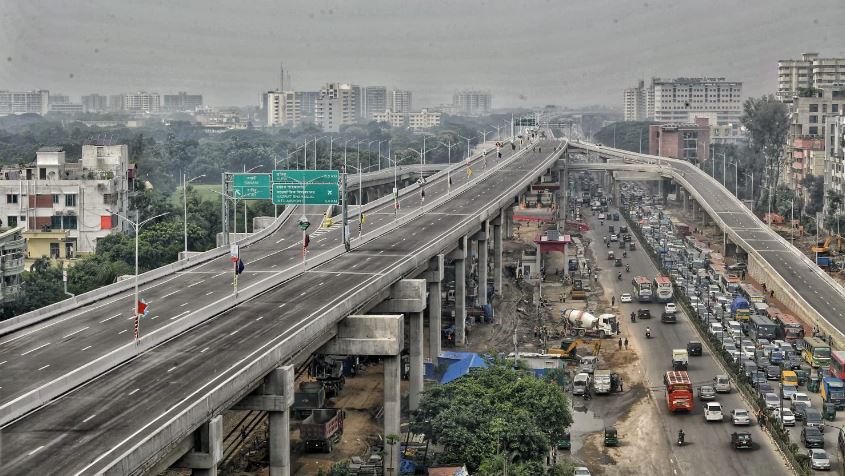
494	411
625	135
767	122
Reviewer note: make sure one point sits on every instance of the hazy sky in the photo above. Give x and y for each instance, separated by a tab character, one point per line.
529	52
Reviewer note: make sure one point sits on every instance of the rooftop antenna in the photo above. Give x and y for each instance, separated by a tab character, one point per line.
281	76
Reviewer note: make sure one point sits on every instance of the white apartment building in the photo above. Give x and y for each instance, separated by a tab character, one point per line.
472	103
639	102
808	72
400	100
682	100
811	135
281	108
142	102
95	103
335	107
24	102
419	120
375	101
834	167
64	207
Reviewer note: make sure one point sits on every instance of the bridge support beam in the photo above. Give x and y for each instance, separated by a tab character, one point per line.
207	449
481	239
434	278
275	396
408	297
377	336
459	255
497	255
563	195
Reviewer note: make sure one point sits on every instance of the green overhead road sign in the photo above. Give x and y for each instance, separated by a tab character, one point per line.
251	186
307	176
310	194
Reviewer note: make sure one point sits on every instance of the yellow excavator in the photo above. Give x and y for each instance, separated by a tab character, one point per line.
823	248
569	347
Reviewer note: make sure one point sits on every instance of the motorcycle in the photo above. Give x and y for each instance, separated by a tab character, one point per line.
648	333
627	268
681	438
633	317
619	276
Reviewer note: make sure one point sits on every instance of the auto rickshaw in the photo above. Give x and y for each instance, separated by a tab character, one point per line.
611	255
565	441
617	263
632	246
610	436
829	411
813	384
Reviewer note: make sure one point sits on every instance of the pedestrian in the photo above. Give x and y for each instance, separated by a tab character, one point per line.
613	301
626	343
621	385
772	293
466	336
620	343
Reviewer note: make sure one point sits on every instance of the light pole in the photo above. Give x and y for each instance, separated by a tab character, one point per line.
484	135
792	220
736	178
395	187
236	210
449	168
331	151
185	183
137	225
315	149
467	139
751	195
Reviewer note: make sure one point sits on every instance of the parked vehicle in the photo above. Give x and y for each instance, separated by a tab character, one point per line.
588	364
580	384
602	381
322	428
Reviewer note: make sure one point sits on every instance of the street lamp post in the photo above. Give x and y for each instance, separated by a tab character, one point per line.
137	225
236	210
185	183
449	168
467	139
736	178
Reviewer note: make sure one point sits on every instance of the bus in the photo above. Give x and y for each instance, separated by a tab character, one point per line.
751	293
663	289
761	327
815	352
678	391
642	288
837	364
789	328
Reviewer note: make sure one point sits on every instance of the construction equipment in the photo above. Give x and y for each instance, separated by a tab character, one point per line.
320	430
577	291
583	323
569	348
823	248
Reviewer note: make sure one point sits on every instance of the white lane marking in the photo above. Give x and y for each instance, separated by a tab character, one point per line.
303	293
183	304
282	305
75	332
89	418
42	368
209	293
203	350
121	332
171	369
179	315
86	347
33	350
194	284
36	450
169	294
259	318
1	363
134	391
110	318
234	332
154	318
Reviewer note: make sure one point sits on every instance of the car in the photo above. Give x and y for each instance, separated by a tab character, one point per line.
713	412
694	348
763	388
772	400
787	417
773	372
788	391
799	411
582	471
643	314
741	440
758	378
800	398
614	238
819	459
813	418
740	416
626	297
668	317
738	266
706	392
602	216
812	438
670	307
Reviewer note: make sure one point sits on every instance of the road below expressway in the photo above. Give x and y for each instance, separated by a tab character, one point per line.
90	428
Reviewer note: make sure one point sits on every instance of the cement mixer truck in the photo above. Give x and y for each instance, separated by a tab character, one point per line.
582	323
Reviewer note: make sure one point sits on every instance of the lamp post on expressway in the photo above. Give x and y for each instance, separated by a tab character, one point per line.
395	187
422	153
751	195
379	151
468	146
185	183
236	210
449	168
137	225
484	135
736	178
498	128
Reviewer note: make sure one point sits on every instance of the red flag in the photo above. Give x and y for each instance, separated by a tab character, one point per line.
142	307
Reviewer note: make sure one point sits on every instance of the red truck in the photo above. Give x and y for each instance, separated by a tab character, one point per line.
678	391
322	428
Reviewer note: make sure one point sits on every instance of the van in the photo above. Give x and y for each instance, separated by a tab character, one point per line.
735	328
580	384
722	383
788	377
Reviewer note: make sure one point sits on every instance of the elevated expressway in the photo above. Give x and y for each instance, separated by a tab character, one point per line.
203	347
772	260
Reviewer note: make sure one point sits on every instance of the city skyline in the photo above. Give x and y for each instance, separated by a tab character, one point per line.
229	53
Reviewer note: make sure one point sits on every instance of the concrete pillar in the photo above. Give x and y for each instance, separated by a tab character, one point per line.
482	265
684	198
538	260
497	259
434	278
459	255
382	336
507	220
660	189
207	450
417	370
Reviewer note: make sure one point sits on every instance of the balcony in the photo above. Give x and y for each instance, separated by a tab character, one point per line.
10	292
12	265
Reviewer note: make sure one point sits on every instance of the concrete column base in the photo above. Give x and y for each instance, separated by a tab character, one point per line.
207	451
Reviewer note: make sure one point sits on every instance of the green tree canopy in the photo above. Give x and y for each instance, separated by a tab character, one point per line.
494	411
767	122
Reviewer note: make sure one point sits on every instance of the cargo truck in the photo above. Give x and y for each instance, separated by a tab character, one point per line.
680	359
322	429
601	381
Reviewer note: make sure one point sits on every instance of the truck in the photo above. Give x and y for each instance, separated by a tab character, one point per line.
601	381
680	359
311	395
833	391
577	291
320	430
583	323
678	391
740	309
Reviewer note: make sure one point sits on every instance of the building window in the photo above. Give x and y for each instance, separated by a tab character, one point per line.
11	198
834	108
56	222
814	108
56	199
69	222
814	131
54	250
814	119
12	220
70	200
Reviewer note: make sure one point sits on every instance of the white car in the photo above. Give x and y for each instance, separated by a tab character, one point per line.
626	297
739	416
786	416
670	308
614	238
713	412
801	398
582	471
819	459
602	216
772	400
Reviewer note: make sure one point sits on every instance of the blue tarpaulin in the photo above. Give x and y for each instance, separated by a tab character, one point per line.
462	366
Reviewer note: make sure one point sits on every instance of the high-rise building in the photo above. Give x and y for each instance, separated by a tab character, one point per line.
66	206
472	103
116	103
358	101
24	102
418	120
375	101
307	104
682	100
12	262
834	168
182	101
400	100
812	112
335	107
639	102
808	72
687	141
56	98
66	108
95	103
281	108
142	102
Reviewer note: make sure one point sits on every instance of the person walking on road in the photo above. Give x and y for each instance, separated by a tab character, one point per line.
613	300
620	343
626	343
